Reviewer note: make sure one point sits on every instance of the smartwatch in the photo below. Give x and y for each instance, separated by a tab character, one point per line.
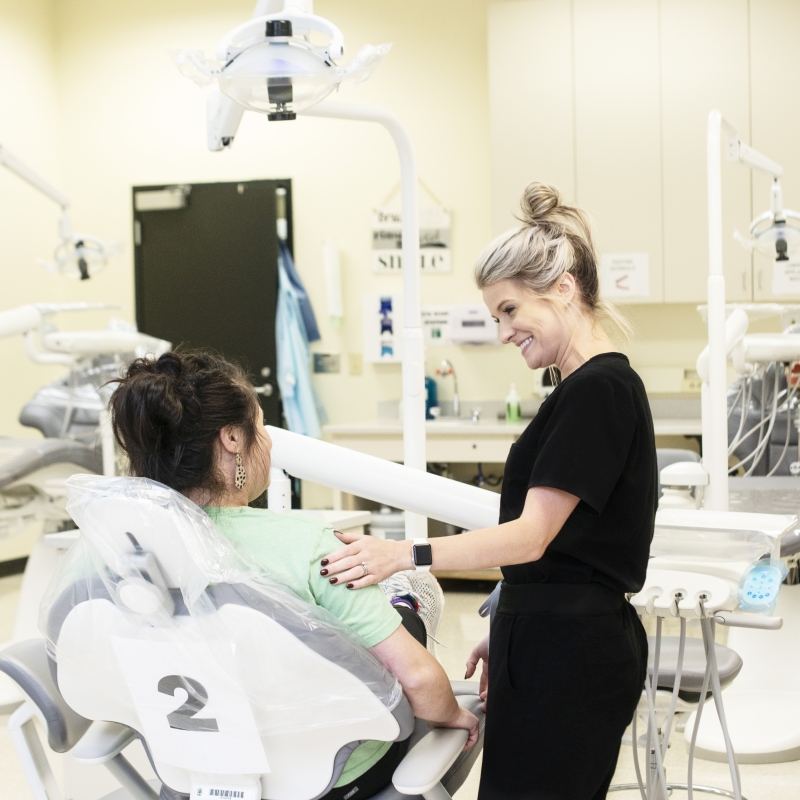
422	555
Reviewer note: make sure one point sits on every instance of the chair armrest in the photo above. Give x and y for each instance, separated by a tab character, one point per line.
428	761
432	756
102	742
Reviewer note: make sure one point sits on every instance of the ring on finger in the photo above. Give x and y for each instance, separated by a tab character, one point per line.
365	568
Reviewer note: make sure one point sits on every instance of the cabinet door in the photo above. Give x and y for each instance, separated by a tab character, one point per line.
618	128
530	97
775	65
704	67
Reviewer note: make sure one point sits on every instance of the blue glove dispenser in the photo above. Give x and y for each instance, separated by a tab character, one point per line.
759	586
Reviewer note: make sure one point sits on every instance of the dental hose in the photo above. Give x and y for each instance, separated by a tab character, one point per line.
676	687
716	690
636	767
652	728
692	745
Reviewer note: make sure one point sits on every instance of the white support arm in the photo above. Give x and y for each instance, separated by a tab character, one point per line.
23	171
714	390
383	481
413	346
19	320
102	742
736	619
31	754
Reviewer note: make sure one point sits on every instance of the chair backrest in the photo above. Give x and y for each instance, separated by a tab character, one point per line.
230	679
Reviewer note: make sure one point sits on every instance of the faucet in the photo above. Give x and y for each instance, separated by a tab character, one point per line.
447	369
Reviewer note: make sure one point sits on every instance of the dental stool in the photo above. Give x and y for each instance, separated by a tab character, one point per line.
177	668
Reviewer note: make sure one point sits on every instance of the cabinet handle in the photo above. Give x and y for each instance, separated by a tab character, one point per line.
759	280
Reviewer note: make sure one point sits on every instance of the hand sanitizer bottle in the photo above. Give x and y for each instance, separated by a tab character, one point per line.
513	413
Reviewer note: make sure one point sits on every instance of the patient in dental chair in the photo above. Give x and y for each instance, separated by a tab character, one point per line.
192	421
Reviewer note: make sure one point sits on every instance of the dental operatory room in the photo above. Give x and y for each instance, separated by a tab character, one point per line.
399	399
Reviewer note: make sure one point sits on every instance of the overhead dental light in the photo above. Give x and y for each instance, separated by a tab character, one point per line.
269	64
76	255
775	233
268	68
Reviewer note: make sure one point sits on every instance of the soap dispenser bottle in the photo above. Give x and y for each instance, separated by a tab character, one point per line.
513	412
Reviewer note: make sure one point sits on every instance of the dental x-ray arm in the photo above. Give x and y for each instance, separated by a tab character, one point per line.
379	480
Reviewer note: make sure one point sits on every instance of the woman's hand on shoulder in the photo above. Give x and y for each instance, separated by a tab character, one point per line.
382	557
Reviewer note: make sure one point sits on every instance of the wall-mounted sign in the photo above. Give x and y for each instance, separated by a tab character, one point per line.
434	240
625	274
786	277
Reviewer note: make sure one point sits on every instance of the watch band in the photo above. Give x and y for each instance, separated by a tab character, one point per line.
422	555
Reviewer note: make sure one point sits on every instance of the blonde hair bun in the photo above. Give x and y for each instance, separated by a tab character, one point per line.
537	202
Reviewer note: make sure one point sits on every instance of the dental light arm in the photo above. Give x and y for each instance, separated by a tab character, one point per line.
382	481
76	255
714	391
11	162
31	317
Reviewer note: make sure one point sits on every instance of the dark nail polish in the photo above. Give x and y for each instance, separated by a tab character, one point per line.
349	585
323	572
324	562
333	580
465	676
339	532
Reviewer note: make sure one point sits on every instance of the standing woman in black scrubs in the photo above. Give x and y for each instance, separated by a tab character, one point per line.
568	652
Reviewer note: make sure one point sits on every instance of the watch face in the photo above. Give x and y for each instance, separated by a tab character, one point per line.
423	555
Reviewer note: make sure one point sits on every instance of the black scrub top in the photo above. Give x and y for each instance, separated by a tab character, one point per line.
593	437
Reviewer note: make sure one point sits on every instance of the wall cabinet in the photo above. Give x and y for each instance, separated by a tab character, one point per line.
610	102
617	154
774	29
530	102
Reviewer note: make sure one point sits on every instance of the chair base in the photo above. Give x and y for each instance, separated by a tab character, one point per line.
764	728
683	787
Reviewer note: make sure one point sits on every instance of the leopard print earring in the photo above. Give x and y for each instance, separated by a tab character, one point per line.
241	477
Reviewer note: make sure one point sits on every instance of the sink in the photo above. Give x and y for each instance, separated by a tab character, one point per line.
444	421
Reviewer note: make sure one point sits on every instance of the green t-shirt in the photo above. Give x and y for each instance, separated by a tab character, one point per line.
291	548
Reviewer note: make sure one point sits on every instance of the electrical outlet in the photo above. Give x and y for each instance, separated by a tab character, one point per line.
355	363
691	382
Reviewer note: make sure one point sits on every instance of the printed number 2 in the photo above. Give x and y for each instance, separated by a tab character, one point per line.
183	719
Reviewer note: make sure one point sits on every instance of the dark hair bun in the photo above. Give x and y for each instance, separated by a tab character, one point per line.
537	202
167	414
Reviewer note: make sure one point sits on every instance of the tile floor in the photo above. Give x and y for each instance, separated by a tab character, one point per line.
461	627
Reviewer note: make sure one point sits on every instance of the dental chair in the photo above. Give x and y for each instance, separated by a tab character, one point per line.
158	629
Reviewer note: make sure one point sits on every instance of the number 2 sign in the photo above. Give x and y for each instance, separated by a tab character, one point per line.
203	723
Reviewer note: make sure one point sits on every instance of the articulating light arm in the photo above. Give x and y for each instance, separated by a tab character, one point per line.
11	162
714	391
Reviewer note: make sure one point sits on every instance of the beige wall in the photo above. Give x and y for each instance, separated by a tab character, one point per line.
28	220
106	109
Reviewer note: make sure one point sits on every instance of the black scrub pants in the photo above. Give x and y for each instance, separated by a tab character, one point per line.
566	671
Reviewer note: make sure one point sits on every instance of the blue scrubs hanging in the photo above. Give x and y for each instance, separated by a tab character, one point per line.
301	405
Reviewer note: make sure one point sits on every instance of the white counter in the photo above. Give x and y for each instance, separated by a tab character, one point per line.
460	440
